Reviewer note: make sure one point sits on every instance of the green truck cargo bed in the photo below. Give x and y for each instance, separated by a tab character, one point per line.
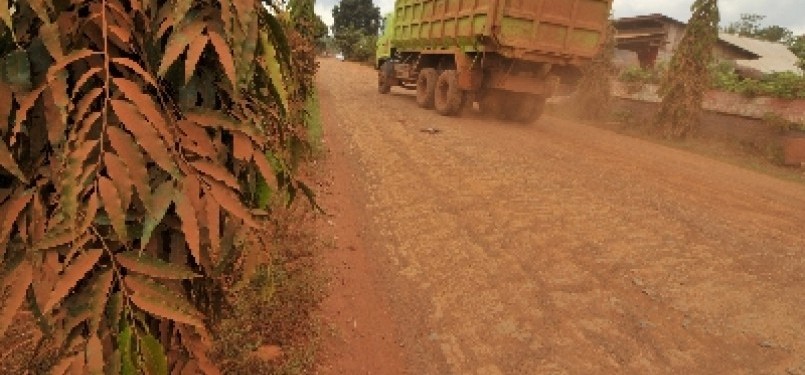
514	28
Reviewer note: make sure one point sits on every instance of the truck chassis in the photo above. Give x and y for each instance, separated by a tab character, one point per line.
450	80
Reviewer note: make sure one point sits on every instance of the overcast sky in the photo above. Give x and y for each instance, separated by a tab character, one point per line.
787	13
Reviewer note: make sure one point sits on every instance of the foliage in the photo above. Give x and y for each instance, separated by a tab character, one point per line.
355	45
797	46
594	92
274	307
359	15
723	76
682	89
635	74
141	144
306	21
355	27
785	85
750	25
313	122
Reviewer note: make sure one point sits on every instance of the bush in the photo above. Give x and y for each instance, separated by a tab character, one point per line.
784	85
636	74
136	165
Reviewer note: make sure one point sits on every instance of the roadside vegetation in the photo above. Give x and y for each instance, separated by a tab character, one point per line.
683	86
723	76
150	189
751	25
763	154
355	27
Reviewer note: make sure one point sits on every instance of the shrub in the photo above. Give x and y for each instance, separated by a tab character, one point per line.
785	85
140	144
635	74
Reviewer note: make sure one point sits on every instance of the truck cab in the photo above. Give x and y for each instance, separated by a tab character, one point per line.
384	41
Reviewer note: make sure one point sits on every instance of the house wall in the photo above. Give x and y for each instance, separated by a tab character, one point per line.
675	34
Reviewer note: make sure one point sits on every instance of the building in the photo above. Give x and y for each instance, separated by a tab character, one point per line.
650	39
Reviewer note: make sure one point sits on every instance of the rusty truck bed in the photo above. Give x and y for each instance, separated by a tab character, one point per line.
524	29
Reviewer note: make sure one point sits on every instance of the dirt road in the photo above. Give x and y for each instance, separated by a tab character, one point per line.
559	248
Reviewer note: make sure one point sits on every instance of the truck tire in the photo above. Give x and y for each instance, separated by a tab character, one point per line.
529	108
449	97
494	103
384	75
426	88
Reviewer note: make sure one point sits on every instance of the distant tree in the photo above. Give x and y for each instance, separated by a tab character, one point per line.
320	29
776	34
751	25
306	20
748	25
360	15
682	89
347	39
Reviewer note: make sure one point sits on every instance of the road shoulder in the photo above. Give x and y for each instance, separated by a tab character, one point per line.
363	336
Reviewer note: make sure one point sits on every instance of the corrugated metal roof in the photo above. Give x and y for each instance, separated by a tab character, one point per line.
774	57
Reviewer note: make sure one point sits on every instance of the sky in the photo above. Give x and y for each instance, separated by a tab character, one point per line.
786	13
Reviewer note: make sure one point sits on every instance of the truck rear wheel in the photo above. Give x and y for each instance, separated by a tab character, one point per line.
449	97
529	108
494	104
426	88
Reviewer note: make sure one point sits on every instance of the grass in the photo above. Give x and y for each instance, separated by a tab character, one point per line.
314	122
276	306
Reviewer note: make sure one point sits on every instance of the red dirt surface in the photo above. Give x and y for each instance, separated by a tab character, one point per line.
473	246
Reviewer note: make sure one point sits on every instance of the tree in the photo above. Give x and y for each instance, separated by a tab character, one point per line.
320	29
359	15
750	25
683	87
306	21
355	45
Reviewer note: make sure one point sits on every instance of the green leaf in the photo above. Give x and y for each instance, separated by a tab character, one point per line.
17	70
124	345
278	34
274	71
155	361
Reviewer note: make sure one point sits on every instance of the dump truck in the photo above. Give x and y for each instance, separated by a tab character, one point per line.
508	56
